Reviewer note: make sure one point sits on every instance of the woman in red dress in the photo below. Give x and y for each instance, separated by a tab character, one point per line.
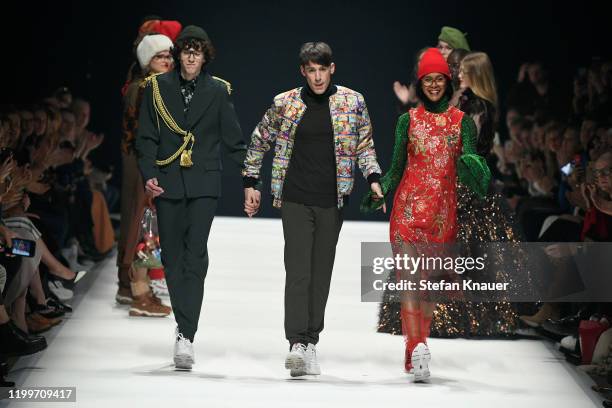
434	146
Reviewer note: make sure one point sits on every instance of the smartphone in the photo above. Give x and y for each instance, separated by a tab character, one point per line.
23	247
567	169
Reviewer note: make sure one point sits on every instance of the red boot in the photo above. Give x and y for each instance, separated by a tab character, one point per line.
411	328
410	346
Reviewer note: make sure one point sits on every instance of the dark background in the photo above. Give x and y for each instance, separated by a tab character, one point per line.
87	47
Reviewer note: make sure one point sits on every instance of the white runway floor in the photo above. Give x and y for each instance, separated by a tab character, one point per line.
117	361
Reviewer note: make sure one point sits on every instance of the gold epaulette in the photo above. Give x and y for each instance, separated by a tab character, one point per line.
147	80
227	84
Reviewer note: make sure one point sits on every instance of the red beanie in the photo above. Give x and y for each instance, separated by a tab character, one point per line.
433	61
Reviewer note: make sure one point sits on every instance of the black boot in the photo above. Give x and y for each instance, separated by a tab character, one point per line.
16	342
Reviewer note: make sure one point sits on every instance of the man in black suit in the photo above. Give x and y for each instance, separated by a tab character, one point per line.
185	116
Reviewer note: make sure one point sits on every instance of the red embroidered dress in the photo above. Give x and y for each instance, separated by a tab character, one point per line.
434	147
425	204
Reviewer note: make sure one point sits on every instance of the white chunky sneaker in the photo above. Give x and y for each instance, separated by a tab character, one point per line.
183	352
312	364
420	362
296	360
159	287
60	291
569	343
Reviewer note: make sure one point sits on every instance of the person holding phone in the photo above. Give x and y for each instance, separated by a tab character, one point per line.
14	341
15	202
15	293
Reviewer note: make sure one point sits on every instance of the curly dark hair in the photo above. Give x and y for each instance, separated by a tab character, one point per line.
205	47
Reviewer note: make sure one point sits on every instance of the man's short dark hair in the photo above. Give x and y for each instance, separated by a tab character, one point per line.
317	52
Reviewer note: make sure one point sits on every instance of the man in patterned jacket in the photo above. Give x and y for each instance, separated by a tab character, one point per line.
320	131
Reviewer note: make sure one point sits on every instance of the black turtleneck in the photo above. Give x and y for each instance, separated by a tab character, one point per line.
311	177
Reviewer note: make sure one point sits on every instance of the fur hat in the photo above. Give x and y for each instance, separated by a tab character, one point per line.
151	45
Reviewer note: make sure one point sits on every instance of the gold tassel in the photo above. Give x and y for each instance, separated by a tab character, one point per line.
186	158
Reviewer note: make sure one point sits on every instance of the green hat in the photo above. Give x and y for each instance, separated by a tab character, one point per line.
454	38
192	32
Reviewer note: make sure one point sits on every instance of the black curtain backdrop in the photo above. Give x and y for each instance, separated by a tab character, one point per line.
87	47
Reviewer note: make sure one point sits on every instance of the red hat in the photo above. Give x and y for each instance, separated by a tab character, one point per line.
147	27
433	61
169	28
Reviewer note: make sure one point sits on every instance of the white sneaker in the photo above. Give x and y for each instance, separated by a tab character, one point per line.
420	362
60	291
569	343
312	364
159	287
296	360
183	352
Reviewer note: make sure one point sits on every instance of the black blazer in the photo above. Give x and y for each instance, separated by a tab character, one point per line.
212	120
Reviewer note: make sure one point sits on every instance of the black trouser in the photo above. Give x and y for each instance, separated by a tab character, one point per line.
184	225
311	234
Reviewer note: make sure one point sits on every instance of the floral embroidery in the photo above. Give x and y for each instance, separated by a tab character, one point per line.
424	208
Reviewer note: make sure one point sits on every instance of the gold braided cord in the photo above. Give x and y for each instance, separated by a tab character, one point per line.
188	137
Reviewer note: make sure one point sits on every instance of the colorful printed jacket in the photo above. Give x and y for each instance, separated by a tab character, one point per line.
352	139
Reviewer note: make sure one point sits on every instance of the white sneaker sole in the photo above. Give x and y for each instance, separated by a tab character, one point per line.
300	372
305	371
295	362
420	362
123	300
183	362
160	292
316	370
144	313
